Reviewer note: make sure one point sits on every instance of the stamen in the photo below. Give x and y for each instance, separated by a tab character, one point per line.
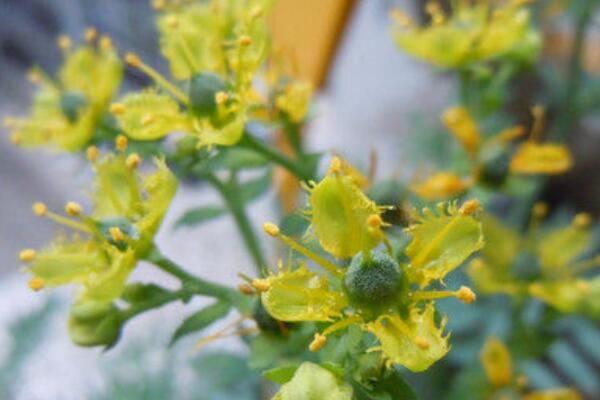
90	34
134	61
221	97
342	324
39	209
147	119
466	295
245	40
106	43
64	42
116	234
59	219
37	283
318	343
432	295
582	220
336	166
92	153
273	230
262	285
158	5
73	209
246	289
401	18
27	255
133	161
537	129
121	142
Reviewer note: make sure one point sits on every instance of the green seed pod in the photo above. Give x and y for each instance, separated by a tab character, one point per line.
495	168
94	323
265	321
71	102
376	284
202	92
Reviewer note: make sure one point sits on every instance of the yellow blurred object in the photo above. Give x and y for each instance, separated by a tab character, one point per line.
311	45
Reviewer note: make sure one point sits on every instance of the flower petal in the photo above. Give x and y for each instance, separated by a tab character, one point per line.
313	382
302	295
415	343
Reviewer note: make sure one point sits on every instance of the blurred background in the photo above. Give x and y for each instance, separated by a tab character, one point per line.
371	96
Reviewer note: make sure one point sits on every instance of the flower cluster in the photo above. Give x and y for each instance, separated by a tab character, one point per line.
386	294
549	264
215	51
68	111
494	158
475	31
128	209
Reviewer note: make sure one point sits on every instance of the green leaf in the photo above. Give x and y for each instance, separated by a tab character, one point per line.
253	189
313	382
393	383
198	215
281	375
236	158
201	320
142	292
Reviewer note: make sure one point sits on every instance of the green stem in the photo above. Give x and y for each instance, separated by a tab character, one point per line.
235	204
276	157
569	107
191	284
156	302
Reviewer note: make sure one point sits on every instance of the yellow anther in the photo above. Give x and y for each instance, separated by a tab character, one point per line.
477	264
245	40
172	21
583	286
73	209
401	18
469	207
133	60
106	43
90	34
116	234
221	97
262	285
256	12
422	343
147	119
271	229
335	166
39	209
540	209
158	5
27	255
246	289
64	42
15	138
374	221
133	161
522	380
37	283
117	108
92	153
466	295
318	342
121	142
33	76
582	220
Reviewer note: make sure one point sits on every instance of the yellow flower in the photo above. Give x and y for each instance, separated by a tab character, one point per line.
217	48
66	111
378	293
441	185
128	210
474	32
547	158
295	100
496	362
459	122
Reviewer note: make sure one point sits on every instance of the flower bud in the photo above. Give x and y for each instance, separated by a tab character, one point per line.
203	93
94	323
